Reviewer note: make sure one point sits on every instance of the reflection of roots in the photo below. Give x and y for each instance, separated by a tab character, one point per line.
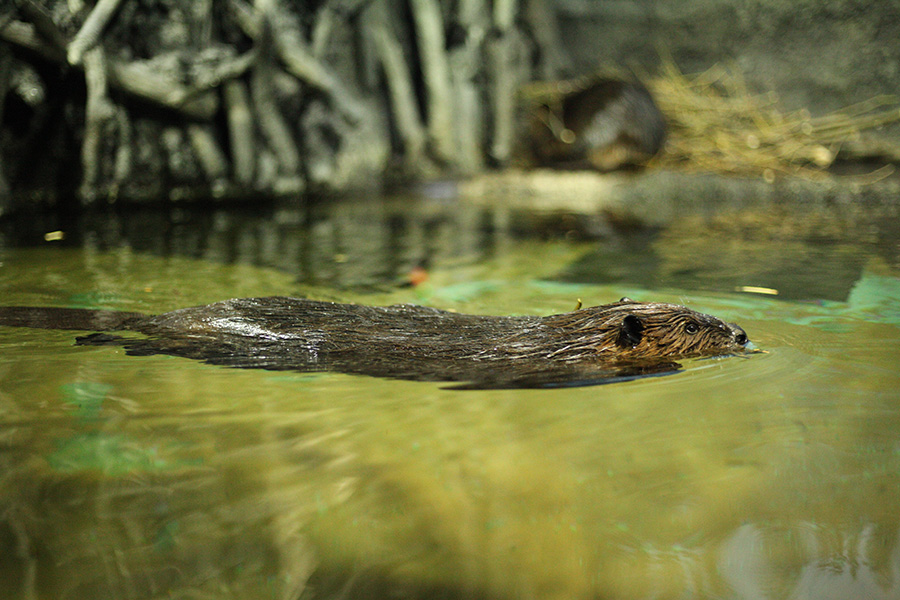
25	553
154	530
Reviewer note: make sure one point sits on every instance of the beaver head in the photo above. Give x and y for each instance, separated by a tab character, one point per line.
629	331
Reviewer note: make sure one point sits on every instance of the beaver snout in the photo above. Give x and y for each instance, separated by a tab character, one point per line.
740	338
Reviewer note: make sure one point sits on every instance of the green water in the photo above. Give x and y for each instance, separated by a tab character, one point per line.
776	476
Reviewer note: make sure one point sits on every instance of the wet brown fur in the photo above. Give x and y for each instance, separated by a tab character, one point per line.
622	339
656	331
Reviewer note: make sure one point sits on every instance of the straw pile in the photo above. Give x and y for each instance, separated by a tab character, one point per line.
717	125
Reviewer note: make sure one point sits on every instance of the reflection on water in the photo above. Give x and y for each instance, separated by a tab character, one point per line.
357	244
765	478
858	562
774	249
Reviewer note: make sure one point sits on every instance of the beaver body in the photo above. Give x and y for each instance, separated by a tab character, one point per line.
592	345
598	123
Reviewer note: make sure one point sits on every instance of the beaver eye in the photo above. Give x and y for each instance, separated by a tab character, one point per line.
691	328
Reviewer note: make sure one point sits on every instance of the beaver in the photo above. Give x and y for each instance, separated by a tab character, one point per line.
600	344
597	122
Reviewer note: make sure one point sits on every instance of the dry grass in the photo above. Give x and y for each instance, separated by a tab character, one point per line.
717	125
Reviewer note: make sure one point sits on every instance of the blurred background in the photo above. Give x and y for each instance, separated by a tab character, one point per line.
230	99
491	157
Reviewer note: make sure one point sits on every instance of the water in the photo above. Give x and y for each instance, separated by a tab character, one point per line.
776	476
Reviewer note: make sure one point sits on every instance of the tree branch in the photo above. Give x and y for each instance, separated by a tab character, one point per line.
91	30
138	78
430	36
240	131
403	101
294	52
98	112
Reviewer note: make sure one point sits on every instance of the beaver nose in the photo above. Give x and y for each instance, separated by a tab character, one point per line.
740	336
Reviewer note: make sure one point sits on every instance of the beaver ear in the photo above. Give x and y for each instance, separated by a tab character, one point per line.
630	332
625	299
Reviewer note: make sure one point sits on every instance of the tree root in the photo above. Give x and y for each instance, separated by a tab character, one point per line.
404	109
89	34
240	132
278	114
436	73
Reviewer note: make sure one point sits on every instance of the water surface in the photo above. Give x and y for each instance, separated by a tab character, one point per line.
776	476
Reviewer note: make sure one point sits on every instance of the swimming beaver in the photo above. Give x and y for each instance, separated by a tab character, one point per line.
593	345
